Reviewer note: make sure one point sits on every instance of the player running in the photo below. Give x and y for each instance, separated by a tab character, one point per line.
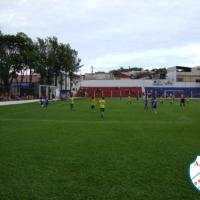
46	102
187	99
182	101
161	99
41	102
102	103
154	105
146	102
71	103
172	101
173	98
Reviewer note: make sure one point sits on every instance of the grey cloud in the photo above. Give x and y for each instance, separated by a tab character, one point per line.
98	28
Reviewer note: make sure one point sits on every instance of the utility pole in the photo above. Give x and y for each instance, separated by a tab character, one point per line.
92	69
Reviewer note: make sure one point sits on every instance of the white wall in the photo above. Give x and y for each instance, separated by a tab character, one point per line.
135	83
171	76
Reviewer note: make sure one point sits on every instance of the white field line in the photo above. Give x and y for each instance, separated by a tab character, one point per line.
6	103
94	121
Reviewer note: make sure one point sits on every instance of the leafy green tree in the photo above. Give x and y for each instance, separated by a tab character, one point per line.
44	67
10	59
29	55
19	54
129	69
161	71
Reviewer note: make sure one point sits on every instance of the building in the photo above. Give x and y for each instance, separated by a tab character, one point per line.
98	76
180	80
31	86
146	74
183	74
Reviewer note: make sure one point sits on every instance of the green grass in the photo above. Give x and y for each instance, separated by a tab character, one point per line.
132	154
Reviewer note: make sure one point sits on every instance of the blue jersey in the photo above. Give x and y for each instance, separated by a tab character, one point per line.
154	103
46	102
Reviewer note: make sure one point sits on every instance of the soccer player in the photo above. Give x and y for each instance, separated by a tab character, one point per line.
45	102
71	103
102	103
154	105
182	101
129	100
173	98
41	101
187	99
146	102
161	99
93	104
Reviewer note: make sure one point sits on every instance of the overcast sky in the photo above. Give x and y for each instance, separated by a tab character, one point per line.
111	33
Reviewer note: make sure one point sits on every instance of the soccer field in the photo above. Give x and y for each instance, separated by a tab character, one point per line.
132	154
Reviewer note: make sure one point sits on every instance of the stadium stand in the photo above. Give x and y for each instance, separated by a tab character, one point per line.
110	91
177	91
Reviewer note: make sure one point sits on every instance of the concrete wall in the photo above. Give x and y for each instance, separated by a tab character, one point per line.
136	83
171	75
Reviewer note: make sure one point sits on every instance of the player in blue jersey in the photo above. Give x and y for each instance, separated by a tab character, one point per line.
146	102
154	104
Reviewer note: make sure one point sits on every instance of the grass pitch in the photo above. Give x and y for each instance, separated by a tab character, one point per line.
132	154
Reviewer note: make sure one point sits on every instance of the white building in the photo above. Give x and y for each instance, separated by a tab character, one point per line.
183	74
98	76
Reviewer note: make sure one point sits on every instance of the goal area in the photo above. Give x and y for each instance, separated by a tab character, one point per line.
47	91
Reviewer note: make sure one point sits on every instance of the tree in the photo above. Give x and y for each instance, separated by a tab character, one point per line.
44	67
161	71
68	61
29	54
47	57
129	69
10	59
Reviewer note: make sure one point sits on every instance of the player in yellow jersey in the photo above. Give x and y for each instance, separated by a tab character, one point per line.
129	100
71	99
93	104
161	99
102	103
172	99
187	99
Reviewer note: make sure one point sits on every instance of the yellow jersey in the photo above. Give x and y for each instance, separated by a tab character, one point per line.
71	100
161	99
102	103
93	102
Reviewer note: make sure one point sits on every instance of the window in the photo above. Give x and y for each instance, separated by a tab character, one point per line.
179	79
183	69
